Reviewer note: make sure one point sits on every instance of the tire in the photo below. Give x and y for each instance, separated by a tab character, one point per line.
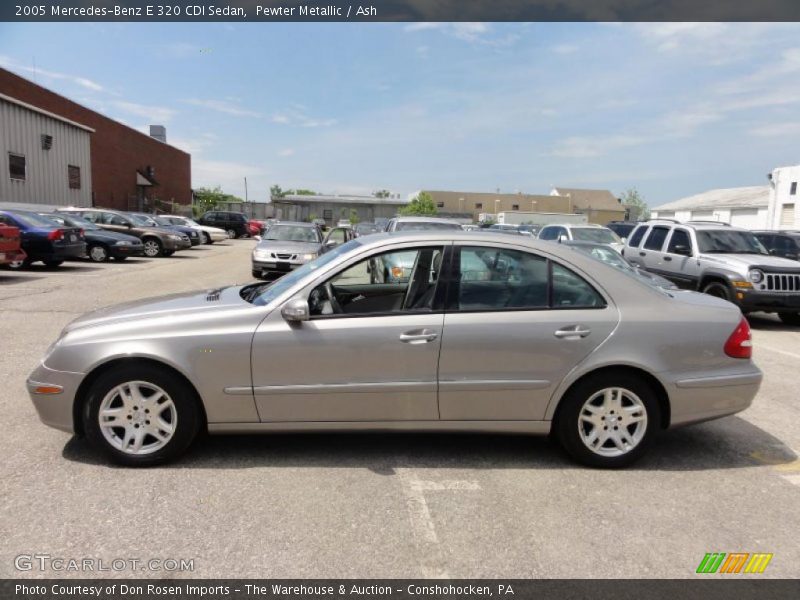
256	274
52	264
790	318
718	290
207	239
630	396
152	247
231	234
161	394
19	264
98	253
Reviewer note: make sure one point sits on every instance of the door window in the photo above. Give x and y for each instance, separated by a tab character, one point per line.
551	233
655	241
680	237
112	219
393	282
499	279
637	236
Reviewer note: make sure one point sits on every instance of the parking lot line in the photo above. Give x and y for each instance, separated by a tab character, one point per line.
784	352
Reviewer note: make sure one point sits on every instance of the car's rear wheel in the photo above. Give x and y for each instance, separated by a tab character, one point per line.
231	234
140	415
718	290
98	253
790	318
19	264
152	247
608	420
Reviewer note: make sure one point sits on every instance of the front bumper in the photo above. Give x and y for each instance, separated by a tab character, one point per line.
695	399
769	302
54	409
120	251
272	268
174	245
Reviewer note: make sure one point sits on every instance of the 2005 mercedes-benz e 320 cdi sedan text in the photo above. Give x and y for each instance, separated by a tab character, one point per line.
488	333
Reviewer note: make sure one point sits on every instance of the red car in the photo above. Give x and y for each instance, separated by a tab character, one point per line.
10	250
254	227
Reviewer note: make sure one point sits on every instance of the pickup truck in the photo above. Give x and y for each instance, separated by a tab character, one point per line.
10	250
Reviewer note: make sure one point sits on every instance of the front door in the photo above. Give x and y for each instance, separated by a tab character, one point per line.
515	325
369	351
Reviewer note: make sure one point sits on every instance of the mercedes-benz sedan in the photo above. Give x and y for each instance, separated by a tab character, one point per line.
489	333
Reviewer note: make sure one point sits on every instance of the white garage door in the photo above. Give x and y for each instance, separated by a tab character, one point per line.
745	217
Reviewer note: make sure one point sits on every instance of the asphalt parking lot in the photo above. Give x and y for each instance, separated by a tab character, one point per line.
365	505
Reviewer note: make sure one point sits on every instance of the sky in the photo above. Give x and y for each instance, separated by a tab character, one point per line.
672	109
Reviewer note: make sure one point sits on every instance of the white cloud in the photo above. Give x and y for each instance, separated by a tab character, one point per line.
297	117
154	114
472	32
286	152
84	82
777	130
565	48
227	107
594	146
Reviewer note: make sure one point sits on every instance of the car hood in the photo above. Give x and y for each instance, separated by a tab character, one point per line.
173	306
743	262
288	247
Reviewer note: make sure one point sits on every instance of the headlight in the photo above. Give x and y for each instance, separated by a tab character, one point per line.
177	238
123	243
756	276
260	254
309	256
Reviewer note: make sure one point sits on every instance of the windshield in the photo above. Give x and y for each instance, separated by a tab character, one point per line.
262	294
71	221
292	233
601	235
424	226
143	220
725	241
165	221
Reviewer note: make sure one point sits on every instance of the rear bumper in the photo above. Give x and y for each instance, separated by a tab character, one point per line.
54	409
77	250
694	399
10	256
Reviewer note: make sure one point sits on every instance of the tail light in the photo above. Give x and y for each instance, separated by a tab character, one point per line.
56	234
82	233
740	344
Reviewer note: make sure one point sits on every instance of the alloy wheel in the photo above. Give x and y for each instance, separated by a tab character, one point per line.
151	248
231	234
98	254
612	422
137	417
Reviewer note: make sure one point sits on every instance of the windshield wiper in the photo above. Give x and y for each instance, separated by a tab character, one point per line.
252	291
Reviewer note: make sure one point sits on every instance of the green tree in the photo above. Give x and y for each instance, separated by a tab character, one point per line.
275	191
638	209
302	192
382	194
206	199
354	218
421	205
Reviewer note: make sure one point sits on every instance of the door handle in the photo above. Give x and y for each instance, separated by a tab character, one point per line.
572	332
667	258
642	253
418	336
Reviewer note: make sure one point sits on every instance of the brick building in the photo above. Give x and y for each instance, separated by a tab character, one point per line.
129	169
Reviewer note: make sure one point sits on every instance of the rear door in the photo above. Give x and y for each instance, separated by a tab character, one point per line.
515	324
679	261
651	251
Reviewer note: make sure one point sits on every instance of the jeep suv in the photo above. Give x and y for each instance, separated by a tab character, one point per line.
234	223
717	259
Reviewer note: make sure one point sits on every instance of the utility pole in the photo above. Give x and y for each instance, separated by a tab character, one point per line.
246	203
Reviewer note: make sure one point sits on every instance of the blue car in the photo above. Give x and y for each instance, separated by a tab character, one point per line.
43	240
145	220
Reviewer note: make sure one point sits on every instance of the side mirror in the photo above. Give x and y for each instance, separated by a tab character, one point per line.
296	310
331	243
683	250
563	238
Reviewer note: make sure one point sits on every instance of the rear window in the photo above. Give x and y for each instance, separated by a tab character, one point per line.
34	220
637	236
655	241
599	235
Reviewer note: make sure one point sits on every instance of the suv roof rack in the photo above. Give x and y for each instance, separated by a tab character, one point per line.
709	222
668	220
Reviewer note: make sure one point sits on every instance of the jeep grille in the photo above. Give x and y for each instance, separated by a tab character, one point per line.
783	282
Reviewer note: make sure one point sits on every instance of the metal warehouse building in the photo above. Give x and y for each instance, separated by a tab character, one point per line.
333	208
47	157
126	168
742	207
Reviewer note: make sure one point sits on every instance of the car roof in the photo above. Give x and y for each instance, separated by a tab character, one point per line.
296	224
424	220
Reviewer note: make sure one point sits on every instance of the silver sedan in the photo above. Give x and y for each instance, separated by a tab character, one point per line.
490	333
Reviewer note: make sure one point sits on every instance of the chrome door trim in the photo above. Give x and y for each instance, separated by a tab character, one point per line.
474	385
324	388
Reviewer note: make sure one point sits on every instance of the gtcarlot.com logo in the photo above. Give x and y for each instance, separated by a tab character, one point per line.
47	562
734	562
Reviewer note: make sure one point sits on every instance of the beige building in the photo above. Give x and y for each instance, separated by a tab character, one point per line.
600	206
472	204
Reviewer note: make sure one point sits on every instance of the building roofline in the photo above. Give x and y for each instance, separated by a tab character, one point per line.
46	113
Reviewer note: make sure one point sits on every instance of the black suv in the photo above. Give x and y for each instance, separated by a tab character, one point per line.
233	222
785	244
622	228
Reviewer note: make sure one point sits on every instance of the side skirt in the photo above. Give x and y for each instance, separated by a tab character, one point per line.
533	427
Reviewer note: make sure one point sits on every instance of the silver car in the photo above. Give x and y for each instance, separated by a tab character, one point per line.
284	247
489	333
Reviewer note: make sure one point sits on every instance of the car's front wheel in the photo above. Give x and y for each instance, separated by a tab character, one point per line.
608	420
98	253
718	290
231	234
140	415
152	247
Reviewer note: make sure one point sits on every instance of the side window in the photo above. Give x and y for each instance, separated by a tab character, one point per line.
112	219
655	241
210	217
386	283
680	242
94	217
637	236
572	291
337	235
496	279
549	233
